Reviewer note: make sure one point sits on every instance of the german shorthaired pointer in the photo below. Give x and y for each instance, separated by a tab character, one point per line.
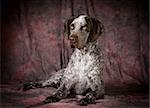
82	76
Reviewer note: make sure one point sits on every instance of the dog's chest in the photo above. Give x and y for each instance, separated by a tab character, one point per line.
80	69
82	62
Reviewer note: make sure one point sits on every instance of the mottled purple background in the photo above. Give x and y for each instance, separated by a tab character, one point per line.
34	46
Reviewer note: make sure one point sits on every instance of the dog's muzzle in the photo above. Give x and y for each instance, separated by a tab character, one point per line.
73	40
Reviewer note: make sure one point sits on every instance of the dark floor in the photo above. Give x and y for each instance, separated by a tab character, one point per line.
13	97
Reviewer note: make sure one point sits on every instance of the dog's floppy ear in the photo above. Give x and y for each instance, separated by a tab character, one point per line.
96	29
67	28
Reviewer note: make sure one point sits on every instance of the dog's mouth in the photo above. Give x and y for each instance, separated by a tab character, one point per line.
74	42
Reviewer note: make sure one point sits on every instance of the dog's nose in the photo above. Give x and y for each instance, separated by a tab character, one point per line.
72	37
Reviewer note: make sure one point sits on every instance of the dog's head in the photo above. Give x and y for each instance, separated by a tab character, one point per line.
82	30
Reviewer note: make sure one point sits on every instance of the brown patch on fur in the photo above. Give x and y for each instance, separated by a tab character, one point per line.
96	28
67	27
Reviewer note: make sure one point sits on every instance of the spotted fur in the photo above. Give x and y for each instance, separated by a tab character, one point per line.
83	74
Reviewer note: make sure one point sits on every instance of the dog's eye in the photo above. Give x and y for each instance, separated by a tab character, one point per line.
72	26
84	28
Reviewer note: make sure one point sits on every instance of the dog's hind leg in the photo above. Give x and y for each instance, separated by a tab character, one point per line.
53	81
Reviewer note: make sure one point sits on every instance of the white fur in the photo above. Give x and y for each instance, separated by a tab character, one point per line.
82	68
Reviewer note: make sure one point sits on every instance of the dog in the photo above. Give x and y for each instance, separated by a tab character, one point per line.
83	74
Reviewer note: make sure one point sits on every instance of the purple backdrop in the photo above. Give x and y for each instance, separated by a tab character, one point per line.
34	46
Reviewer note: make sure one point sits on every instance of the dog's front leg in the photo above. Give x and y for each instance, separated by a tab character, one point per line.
53	81
31	85
61	93
92	95
88	99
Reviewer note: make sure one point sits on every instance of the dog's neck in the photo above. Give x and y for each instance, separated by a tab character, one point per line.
89	47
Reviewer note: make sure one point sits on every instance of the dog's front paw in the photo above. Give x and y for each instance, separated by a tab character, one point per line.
31	85
27	86
51	99
83	102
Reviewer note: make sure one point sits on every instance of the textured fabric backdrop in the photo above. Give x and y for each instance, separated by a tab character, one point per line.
34	46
